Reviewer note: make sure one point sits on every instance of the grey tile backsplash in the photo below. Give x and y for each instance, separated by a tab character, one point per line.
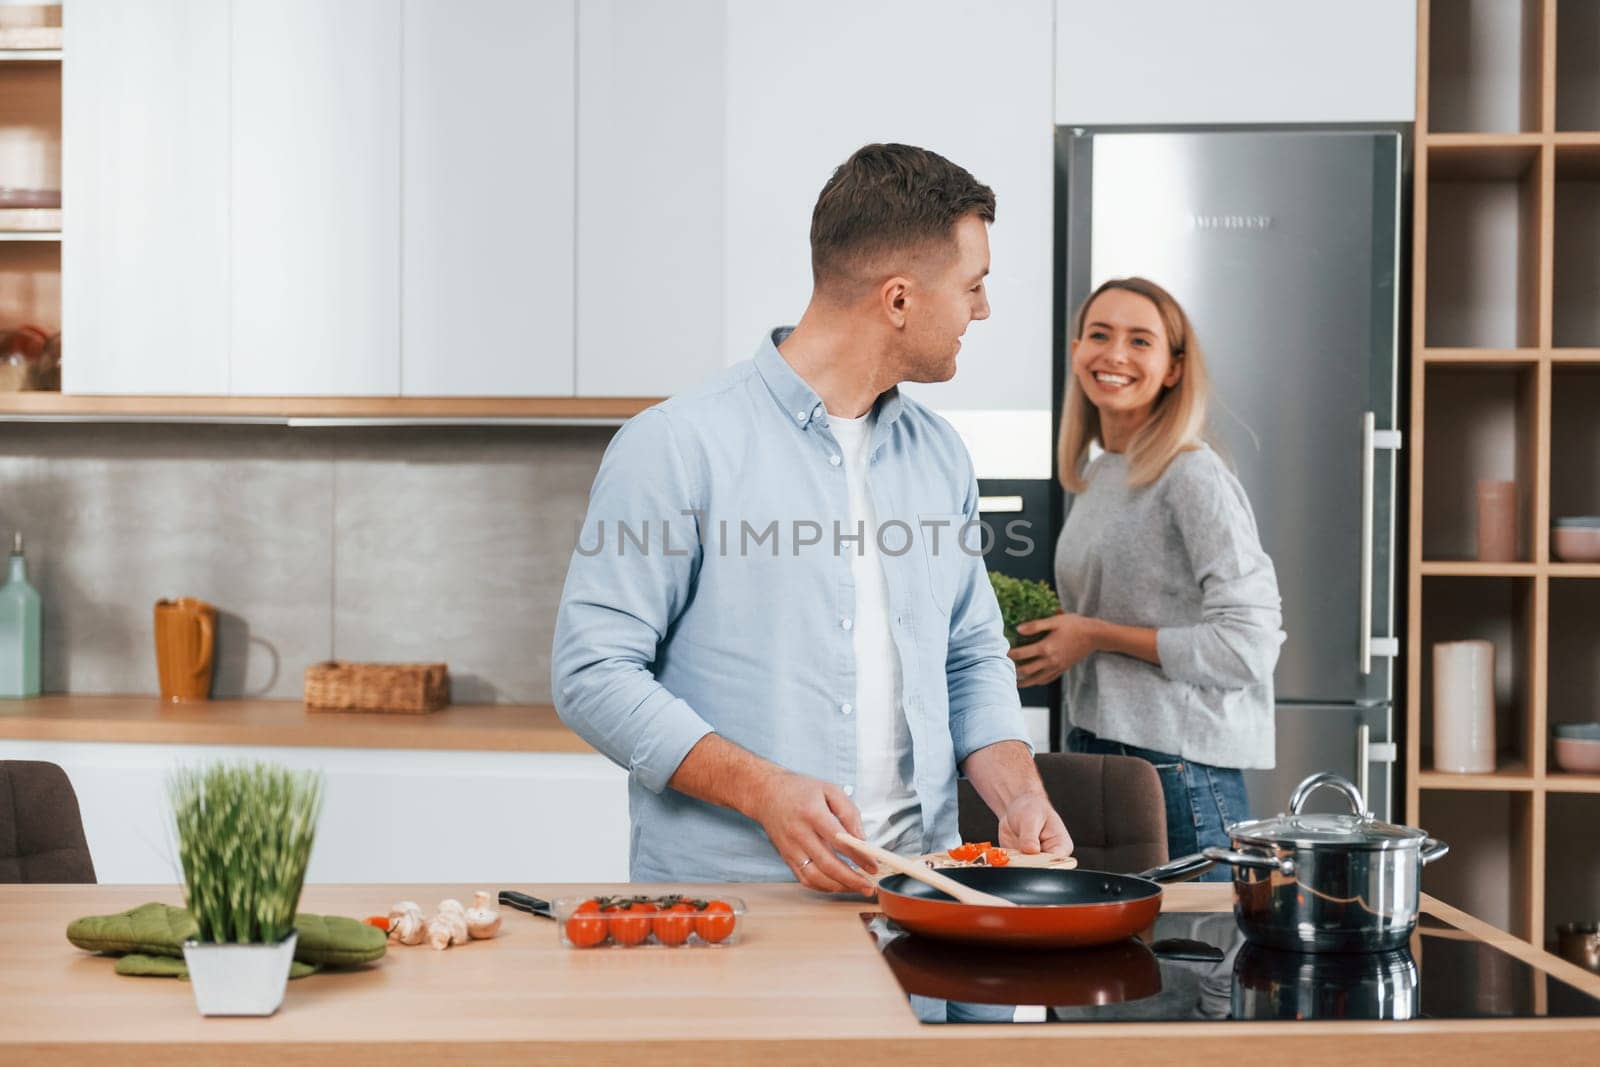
425	543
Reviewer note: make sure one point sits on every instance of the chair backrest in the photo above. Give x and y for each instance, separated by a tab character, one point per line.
41	829
1112	805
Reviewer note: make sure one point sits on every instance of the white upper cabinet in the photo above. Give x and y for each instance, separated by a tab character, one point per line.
1159	62
971	79
145	184
651	195
487	275
315	198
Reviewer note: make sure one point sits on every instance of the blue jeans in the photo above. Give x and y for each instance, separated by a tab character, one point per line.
1201	800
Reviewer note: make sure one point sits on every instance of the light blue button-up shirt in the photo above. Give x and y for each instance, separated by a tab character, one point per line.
711	590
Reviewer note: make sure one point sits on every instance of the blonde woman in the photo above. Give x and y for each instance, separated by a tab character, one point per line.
1170	624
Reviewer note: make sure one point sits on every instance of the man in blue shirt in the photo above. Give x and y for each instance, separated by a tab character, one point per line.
777	617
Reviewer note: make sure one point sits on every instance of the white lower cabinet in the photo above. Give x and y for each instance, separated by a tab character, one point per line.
488	820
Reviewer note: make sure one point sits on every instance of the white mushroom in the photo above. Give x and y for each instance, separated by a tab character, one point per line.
447	928
405	922
483	918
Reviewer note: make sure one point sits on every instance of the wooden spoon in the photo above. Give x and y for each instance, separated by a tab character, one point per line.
915	869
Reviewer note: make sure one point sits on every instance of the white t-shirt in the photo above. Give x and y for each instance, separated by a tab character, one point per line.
890	812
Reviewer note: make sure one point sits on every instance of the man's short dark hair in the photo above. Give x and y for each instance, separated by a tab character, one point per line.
885	199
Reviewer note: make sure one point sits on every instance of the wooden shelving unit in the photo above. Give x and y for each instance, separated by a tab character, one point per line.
1506	385
30	158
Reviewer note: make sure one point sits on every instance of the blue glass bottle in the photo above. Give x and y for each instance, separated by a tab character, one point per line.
19	630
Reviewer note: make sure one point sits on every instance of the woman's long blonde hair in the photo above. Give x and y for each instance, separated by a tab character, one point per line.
1178	422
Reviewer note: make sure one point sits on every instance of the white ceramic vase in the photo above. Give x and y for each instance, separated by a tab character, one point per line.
1463	707
231	979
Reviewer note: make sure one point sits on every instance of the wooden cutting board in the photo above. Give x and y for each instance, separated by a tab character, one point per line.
942	861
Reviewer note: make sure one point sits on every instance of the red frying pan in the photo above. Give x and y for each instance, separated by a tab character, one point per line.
1053	908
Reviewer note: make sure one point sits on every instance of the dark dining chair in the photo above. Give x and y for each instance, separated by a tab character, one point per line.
41	829
1112	806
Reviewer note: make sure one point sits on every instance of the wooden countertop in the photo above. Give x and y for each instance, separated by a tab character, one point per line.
806	985
471	727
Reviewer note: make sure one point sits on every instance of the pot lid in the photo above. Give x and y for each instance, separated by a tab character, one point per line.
1328	831
1357	830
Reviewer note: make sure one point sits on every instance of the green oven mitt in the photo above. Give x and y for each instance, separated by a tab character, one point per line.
154	930
149	930
141	966
337	940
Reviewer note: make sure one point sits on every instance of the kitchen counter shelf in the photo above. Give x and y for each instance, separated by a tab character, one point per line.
1469	568
30	55
805	985
30	235
1483	142
1563	782
1575	355
1487	358
1511	777
142	719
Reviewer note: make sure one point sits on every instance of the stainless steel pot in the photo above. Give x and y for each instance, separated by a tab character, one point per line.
1327	883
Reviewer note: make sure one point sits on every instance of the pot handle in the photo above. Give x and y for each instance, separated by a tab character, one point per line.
1433	849
1358	803
1258	860
1179	870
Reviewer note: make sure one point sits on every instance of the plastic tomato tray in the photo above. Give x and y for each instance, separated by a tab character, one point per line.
618	925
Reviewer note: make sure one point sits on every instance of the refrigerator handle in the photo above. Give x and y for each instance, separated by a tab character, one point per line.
1371	440
1363	756
1369	752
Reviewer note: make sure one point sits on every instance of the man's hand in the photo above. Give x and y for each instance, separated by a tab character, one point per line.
800	816
1005	777
1030	824
1067	641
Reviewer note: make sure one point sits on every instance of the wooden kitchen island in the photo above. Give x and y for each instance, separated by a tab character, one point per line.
806	985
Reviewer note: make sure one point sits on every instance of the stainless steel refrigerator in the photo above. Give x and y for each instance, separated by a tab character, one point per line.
1284	247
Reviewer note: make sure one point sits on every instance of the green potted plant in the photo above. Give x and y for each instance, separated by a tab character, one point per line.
244	838
1022	600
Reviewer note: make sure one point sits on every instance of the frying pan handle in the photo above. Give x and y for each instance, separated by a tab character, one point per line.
1179	870
1258	860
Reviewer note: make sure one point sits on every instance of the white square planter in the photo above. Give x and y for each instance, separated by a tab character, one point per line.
239	979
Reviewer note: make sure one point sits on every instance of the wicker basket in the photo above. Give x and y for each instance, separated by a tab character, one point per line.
411	688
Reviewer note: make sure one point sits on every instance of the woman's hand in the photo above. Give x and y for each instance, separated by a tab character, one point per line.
1067	641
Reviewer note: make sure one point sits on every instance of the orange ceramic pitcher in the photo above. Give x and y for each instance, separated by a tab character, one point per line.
185	635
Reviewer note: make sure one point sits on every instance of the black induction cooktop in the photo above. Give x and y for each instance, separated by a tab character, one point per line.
1196	966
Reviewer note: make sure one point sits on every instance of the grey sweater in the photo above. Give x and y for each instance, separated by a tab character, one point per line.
1181	556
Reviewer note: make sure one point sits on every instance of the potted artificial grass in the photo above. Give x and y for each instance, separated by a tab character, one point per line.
244	840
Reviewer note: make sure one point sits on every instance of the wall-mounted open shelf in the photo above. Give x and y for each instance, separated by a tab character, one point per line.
1483	66
1506	385
1486	429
